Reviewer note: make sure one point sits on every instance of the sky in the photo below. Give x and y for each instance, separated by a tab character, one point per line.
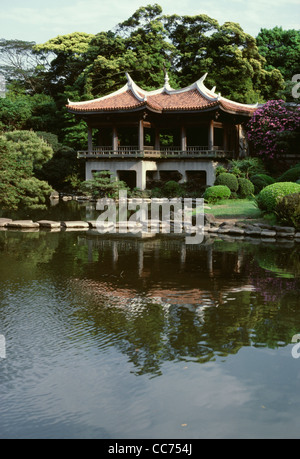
40	20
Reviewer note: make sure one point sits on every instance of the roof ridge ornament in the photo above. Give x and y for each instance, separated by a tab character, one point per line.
167	81
139	93
209	95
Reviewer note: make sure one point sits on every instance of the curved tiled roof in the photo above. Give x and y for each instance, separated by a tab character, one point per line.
131	97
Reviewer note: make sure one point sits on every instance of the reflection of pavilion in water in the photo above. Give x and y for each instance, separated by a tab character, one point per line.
166	271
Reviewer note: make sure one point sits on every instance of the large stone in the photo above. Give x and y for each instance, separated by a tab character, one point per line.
54	195
213	229
4	222
236	230
209	219
251	230
223	230
75	225
284	229
284	235
268	233
48	224
22	224
263	226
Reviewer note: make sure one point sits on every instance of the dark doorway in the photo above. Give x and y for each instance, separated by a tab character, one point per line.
198	178
129	177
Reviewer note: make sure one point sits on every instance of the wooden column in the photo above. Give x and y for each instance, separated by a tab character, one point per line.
141	135
183	138
115	139
90	139
157	140
211	135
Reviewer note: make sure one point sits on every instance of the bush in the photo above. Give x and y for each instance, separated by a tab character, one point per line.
229	180
246	188
291	175
172	189
220	170
260	181
271	194
288	210
246	167
216	193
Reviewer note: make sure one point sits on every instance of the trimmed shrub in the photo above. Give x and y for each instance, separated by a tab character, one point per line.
260	181
271	194
246	188
216	193
287	210
220	170
291	175
229	180
172	189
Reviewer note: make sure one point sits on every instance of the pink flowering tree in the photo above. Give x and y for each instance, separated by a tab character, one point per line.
274	129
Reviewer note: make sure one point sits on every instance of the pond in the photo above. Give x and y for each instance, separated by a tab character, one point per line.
127	338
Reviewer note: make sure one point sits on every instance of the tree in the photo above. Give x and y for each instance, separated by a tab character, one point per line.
147	40
29	148
63	171
281	49
103	185
21	64
69	59
19	188
228	54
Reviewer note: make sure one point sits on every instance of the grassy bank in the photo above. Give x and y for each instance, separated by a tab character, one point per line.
235	209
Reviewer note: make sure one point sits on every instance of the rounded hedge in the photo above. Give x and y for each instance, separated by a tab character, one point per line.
271	194
216	193
291	175
246	188
260	181
229	180
287	210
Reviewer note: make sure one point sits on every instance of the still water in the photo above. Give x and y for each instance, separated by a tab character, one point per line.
127	338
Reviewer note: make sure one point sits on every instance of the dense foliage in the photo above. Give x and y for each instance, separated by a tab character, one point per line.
275	129
229	180
291	175
246	188
103	184
288	210
271	194
21	153
260	181
216	193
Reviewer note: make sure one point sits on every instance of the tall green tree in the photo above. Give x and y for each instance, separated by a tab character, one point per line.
69	52
22	65
281	49
21	152
228	54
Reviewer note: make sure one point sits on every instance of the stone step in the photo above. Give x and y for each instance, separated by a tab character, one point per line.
49	224
75	225
4	222
22	224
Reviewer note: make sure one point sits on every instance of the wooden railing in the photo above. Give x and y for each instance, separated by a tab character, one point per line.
124	152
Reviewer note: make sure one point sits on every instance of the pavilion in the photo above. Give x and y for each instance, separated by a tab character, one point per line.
139	135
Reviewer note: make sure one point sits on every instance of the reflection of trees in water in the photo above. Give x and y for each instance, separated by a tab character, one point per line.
160	300
23	253
197	306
